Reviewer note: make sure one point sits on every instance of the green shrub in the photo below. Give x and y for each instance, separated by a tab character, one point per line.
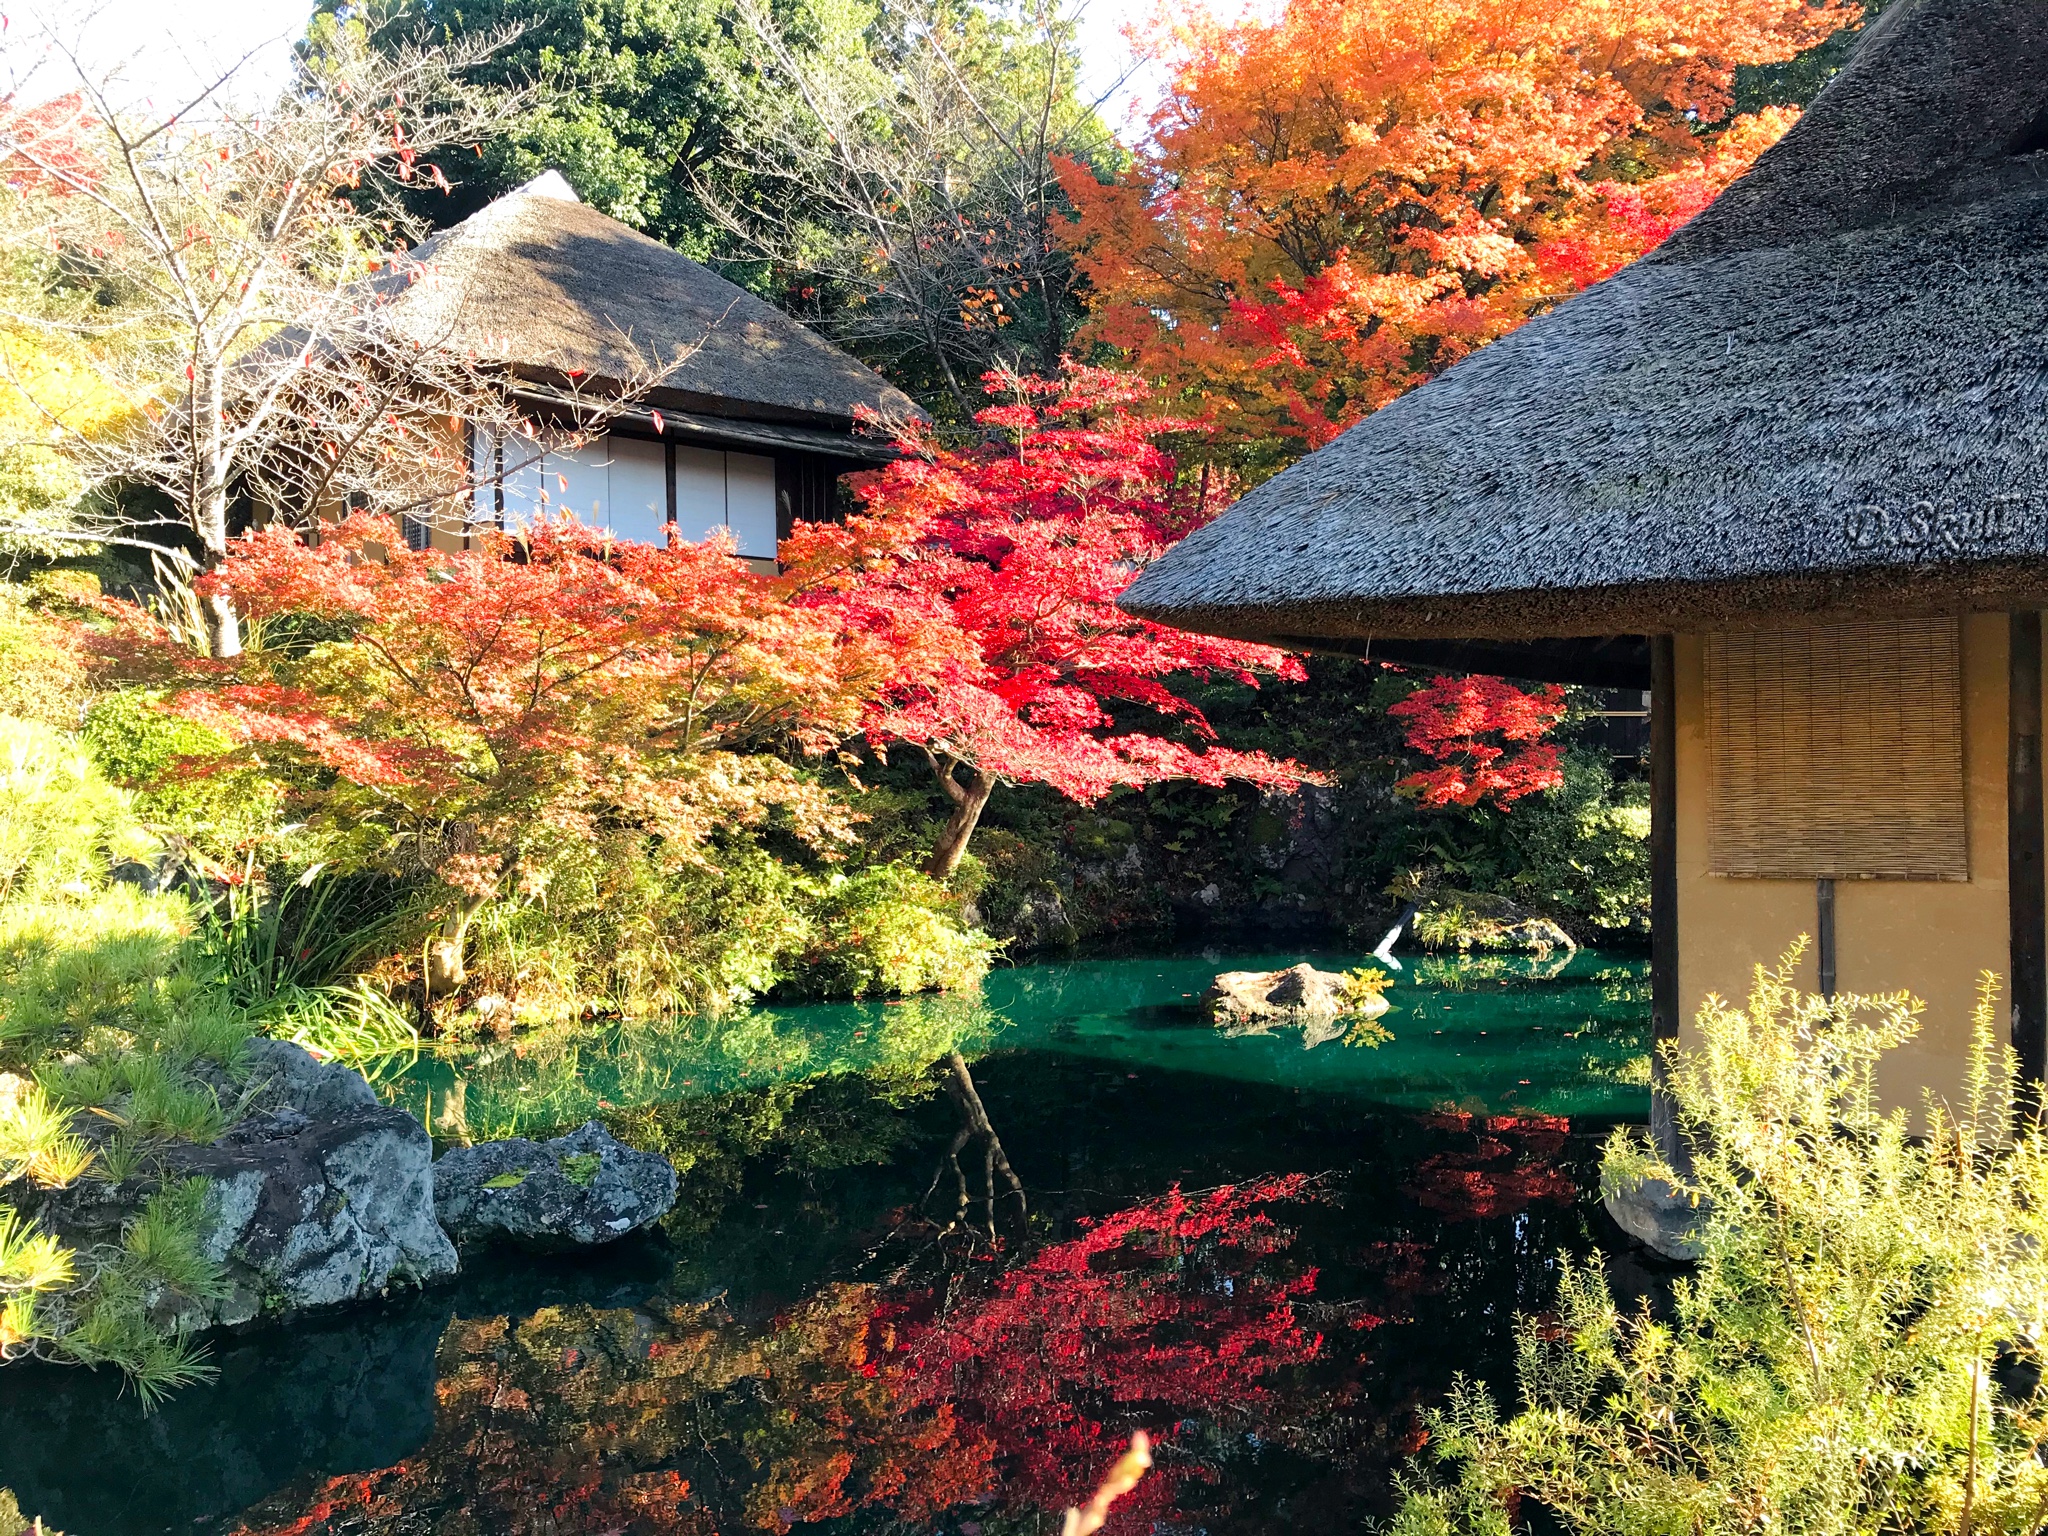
1577	852
888	931
42	669
614	929
108	1005
164	761
1840	1360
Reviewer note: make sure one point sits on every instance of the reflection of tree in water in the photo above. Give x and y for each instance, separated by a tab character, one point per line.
1011	1388
974	1125
944	1376
1510	1163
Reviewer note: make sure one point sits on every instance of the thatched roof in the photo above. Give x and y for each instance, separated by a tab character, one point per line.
551	287
1829	390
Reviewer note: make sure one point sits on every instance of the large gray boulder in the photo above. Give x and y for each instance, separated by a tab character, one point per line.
283	1075
573	1192
317	1197
307	1213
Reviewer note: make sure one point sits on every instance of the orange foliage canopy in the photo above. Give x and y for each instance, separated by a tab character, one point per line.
1337	204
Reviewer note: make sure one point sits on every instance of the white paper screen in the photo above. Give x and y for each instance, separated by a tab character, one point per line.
483	469
700	492
639	504
750	503
523	482
578	480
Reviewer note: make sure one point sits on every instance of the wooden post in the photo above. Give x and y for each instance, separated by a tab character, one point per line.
1663	886
1824	936
2026	895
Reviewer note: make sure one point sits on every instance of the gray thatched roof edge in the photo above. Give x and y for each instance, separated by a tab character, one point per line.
552	288
1774	412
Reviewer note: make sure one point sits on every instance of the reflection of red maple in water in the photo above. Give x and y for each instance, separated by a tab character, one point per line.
1022	1387
1512	1165
1165	1311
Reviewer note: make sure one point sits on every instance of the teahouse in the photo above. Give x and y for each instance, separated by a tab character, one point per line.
1791	472
756	423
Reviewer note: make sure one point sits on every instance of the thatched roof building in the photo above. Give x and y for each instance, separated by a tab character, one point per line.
718	411
1797	461
1829	391
549	286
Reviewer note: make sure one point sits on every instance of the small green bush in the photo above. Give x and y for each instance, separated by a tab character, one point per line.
62	825
1850	1356
172	766
888	931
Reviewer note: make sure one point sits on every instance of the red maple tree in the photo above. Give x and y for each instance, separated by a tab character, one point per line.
1009	557
1484	734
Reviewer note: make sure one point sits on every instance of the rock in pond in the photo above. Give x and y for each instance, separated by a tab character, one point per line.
318	1196
1323	1003
1658	1217
573	1192
1302	991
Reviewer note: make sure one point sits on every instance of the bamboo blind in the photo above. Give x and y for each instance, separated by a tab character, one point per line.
1837	752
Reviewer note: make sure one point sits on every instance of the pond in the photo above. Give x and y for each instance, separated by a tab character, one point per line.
879	1306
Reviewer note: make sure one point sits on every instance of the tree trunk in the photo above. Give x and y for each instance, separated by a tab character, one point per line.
209	521
969	794
446	969
223	627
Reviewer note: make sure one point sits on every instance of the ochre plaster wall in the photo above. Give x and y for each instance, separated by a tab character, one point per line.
1931	938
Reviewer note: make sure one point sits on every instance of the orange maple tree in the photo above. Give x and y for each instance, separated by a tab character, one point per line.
476	710
1335	204
1485	736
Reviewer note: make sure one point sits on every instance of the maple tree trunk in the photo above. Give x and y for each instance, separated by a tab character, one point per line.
446	969
969	795
223	627
209	522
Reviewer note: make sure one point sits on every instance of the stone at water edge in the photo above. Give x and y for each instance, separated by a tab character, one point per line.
311	1213
573	1192
317	1197
1658	1217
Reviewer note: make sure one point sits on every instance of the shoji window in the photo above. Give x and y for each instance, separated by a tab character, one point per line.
639	490
736	491
1836	752
623	484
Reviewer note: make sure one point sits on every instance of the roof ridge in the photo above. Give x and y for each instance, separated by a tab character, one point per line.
1934	101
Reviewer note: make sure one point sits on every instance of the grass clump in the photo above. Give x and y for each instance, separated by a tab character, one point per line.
1857	1349
116	1041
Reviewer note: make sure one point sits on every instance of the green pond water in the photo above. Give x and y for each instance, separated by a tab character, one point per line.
1272	1258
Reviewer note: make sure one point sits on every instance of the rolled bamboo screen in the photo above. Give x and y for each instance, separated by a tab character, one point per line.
1837	752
